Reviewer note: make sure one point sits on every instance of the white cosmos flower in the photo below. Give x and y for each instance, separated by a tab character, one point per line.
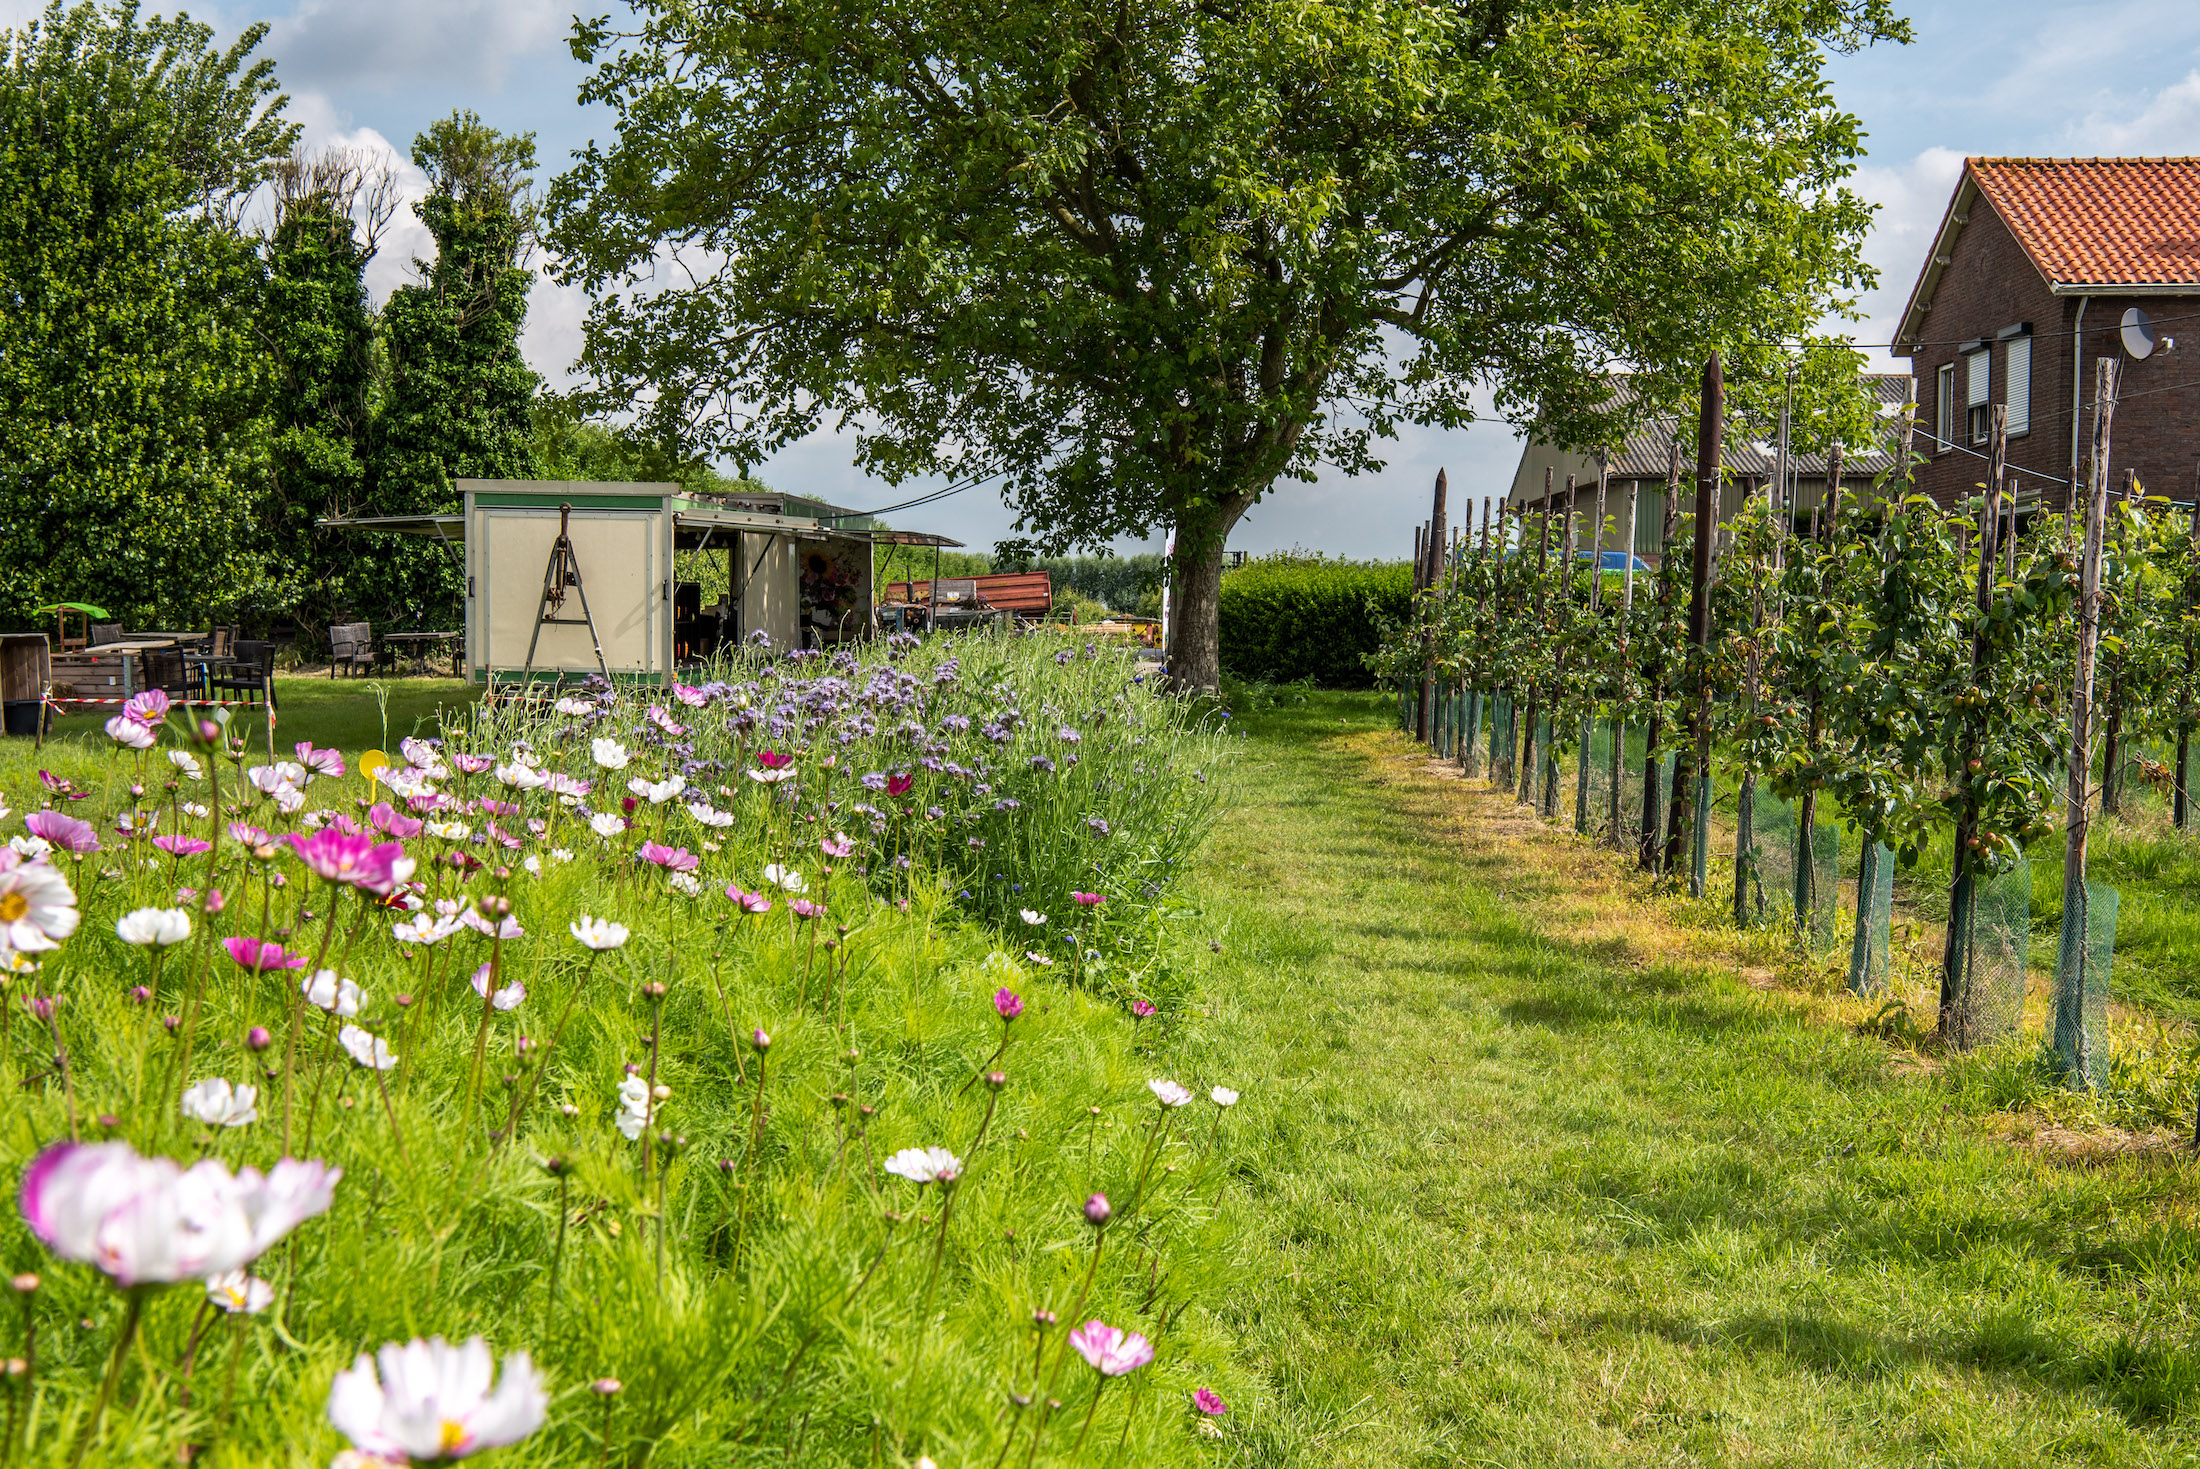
606	824
186	762
217	1104
281	776
1032	918
1222	1096
1170	1093
430	1401
924	1165
561	854
508	995
597	933
30	846
532	864
37	905
290	801
153	928
367	1049
786	878
608	754
240	1294
657	792
710	815
572	706
506	928
522	777
193	808
423	929
450	831
772	777
634	1107
685	882
130	734
324	991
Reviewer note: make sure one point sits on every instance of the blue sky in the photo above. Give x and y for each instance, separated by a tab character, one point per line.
1984	76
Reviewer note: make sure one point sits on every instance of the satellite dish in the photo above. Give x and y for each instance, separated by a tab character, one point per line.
2138	335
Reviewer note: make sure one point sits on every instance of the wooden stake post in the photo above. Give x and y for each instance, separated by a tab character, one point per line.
1958	950
2071	1042
1710	436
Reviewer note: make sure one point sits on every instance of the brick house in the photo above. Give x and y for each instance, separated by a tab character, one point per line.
2036	268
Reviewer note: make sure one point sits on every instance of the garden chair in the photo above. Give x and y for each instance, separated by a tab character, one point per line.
166	670
250	672
350	644
106	632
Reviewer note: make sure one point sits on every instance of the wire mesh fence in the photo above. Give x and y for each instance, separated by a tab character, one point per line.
2082	964
1987	958
1871	957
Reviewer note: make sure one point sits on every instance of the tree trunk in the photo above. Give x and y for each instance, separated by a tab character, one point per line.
1195	598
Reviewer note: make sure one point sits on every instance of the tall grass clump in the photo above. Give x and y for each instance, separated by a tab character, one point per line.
626	1075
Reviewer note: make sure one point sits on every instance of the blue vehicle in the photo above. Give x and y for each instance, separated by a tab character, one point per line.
1615	560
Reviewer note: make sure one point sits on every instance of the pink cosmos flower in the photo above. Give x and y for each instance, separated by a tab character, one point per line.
804	908
1206	1401
502	838
675	859
566	785
149	707
663	721
900	783
262	958
250	835
1008	1003
472	764
147	1221
321	762
491	806
693	698
508	995
1088	900
750	902
390	821
182	846
836	845
773	760
1038	958
65	832
357	860
1111	1350
1141	1009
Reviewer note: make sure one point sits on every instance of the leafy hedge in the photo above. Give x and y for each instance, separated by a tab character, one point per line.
1292	615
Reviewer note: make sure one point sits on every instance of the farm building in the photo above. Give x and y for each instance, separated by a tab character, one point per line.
2042	266
1639	469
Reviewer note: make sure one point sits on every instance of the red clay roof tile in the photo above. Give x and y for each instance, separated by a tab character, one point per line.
2100	221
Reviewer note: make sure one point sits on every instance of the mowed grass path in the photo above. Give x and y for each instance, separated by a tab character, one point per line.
1537	1178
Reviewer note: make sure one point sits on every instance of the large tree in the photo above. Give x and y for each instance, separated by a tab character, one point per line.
132	443
460	396
1140	262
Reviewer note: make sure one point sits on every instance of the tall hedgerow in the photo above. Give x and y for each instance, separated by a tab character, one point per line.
1296	615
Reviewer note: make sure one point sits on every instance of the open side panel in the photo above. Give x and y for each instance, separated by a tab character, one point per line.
623	564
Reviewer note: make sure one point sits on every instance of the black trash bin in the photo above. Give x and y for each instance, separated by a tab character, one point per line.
21	716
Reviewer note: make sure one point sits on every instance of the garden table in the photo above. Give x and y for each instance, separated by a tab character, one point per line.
423	642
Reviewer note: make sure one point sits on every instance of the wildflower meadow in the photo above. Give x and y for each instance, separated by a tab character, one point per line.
779	1068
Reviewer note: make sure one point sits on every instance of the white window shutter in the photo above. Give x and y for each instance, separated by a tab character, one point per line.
1944	407
2017	384
1980	364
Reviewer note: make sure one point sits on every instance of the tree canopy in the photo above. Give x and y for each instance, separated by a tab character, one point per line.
1140	262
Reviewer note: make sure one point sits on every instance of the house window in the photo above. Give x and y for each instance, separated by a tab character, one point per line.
2016	384
1978	400
1944	409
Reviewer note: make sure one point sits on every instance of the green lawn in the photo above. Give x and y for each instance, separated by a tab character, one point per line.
341	712
1536	1179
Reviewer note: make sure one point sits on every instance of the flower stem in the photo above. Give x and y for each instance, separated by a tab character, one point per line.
557	1258
748	1163
1098	1388
130	1312
297	1021
542	1066
488	1009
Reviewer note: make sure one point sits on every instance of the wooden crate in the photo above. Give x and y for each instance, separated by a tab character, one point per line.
1028	593
25	665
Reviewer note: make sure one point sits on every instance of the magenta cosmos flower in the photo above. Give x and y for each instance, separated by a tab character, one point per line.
900	783
390	821
148	1221
357	860
836	845
1008	1003
773	760
1088	900
65	832
182	846
672	859
750	902
262	958
149	707
471	764
1207	1402
1111	1350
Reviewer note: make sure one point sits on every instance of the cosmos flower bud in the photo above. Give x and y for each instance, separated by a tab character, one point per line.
404	1002
760	1040
24	1284
604	1387
557	1165
171	1023
661	1092
1043	1318
258	1038
139	995
1097	1210
654	989
996	1079
493	906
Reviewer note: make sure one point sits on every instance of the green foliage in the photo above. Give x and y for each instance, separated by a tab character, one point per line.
1132	261
132	446
1293	616
459	398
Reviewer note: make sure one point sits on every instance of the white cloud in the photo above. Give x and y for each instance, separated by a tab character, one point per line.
405	42
1910	200
2168	123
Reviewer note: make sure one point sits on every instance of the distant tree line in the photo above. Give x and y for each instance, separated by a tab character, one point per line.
192	374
